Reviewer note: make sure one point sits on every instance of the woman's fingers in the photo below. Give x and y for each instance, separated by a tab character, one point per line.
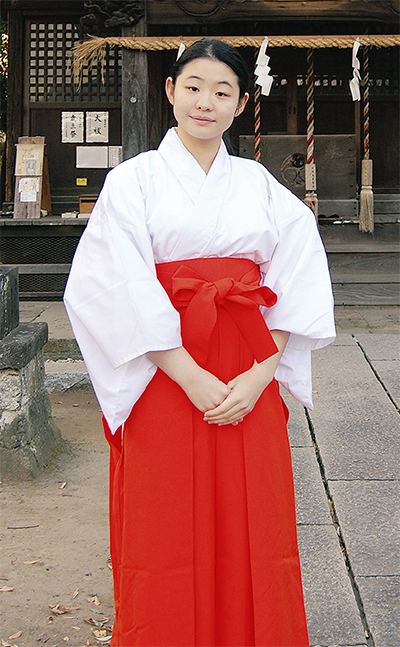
232	409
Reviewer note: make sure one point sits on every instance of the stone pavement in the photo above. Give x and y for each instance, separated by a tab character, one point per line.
346	460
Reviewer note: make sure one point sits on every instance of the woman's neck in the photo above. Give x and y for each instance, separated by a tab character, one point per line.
203	150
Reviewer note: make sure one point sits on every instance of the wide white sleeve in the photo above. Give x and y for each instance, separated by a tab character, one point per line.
118	309
298	274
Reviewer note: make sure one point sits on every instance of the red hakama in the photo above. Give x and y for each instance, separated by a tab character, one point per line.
203	528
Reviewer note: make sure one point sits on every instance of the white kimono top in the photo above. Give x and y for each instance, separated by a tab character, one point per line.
160	206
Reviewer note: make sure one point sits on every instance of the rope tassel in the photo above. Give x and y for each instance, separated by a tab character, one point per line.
366	223
310	169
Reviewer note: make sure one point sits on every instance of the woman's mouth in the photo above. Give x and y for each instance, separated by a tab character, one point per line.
202	119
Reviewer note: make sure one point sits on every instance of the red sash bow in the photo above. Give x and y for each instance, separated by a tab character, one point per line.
240	298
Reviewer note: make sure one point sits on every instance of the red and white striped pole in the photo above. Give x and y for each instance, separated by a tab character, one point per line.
257	121
310	170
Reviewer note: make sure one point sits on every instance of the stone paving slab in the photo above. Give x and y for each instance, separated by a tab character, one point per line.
52	312
381	600
62	375
342	339
355	422
311	501
375	319
389	373
332	613
369	515
299	434
380	346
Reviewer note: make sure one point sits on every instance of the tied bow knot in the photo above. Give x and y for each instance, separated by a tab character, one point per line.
241	300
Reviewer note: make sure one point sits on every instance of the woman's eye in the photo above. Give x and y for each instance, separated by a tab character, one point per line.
221	94
193	88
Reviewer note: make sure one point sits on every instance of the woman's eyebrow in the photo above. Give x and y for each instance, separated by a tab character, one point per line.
199	78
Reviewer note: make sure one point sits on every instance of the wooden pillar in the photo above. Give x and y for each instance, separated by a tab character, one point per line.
15	95
358	138
135	95
156	94
291	104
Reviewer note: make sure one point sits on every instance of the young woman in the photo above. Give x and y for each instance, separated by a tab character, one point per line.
199	282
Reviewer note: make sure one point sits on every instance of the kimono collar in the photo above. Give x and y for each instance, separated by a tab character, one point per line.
186	168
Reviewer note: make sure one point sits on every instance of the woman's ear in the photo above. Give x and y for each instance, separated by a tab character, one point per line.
170	89
242	104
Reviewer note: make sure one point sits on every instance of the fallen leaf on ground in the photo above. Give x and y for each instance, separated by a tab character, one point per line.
58	610
66	639
5	643
95	600
76	628
6	589
15	636
50	620
34	561
101	635
97	623
109	564
75	593
63	485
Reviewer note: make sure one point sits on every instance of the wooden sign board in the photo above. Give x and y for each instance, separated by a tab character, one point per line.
285	157
32	184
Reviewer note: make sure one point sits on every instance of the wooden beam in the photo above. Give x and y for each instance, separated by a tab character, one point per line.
135	93
169	12
14	89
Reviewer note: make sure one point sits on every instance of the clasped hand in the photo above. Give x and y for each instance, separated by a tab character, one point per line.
227	404
222	404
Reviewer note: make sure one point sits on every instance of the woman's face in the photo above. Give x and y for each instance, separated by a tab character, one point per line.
205	98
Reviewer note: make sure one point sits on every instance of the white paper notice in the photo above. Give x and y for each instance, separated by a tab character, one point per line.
72	127
28	188
29	159
92	157
114	156
96	127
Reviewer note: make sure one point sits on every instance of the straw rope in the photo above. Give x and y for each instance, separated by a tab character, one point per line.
90	51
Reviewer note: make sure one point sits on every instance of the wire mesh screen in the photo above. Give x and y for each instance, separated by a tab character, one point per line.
51	285
38	249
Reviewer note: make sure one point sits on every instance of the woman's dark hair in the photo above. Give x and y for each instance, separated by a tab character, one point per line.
216	50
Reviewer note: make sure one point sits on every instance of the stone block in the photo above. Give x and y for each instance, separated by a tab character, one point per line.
22	344
9	300
369	515
10	390
380	596
27	430
33	375
332	613
27	438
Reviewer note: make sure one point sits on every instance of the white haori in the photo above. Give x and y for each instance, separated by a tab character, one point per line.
159	207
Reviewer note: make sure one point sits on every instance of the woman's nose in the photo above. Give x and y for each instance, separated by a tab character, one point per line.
204	102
